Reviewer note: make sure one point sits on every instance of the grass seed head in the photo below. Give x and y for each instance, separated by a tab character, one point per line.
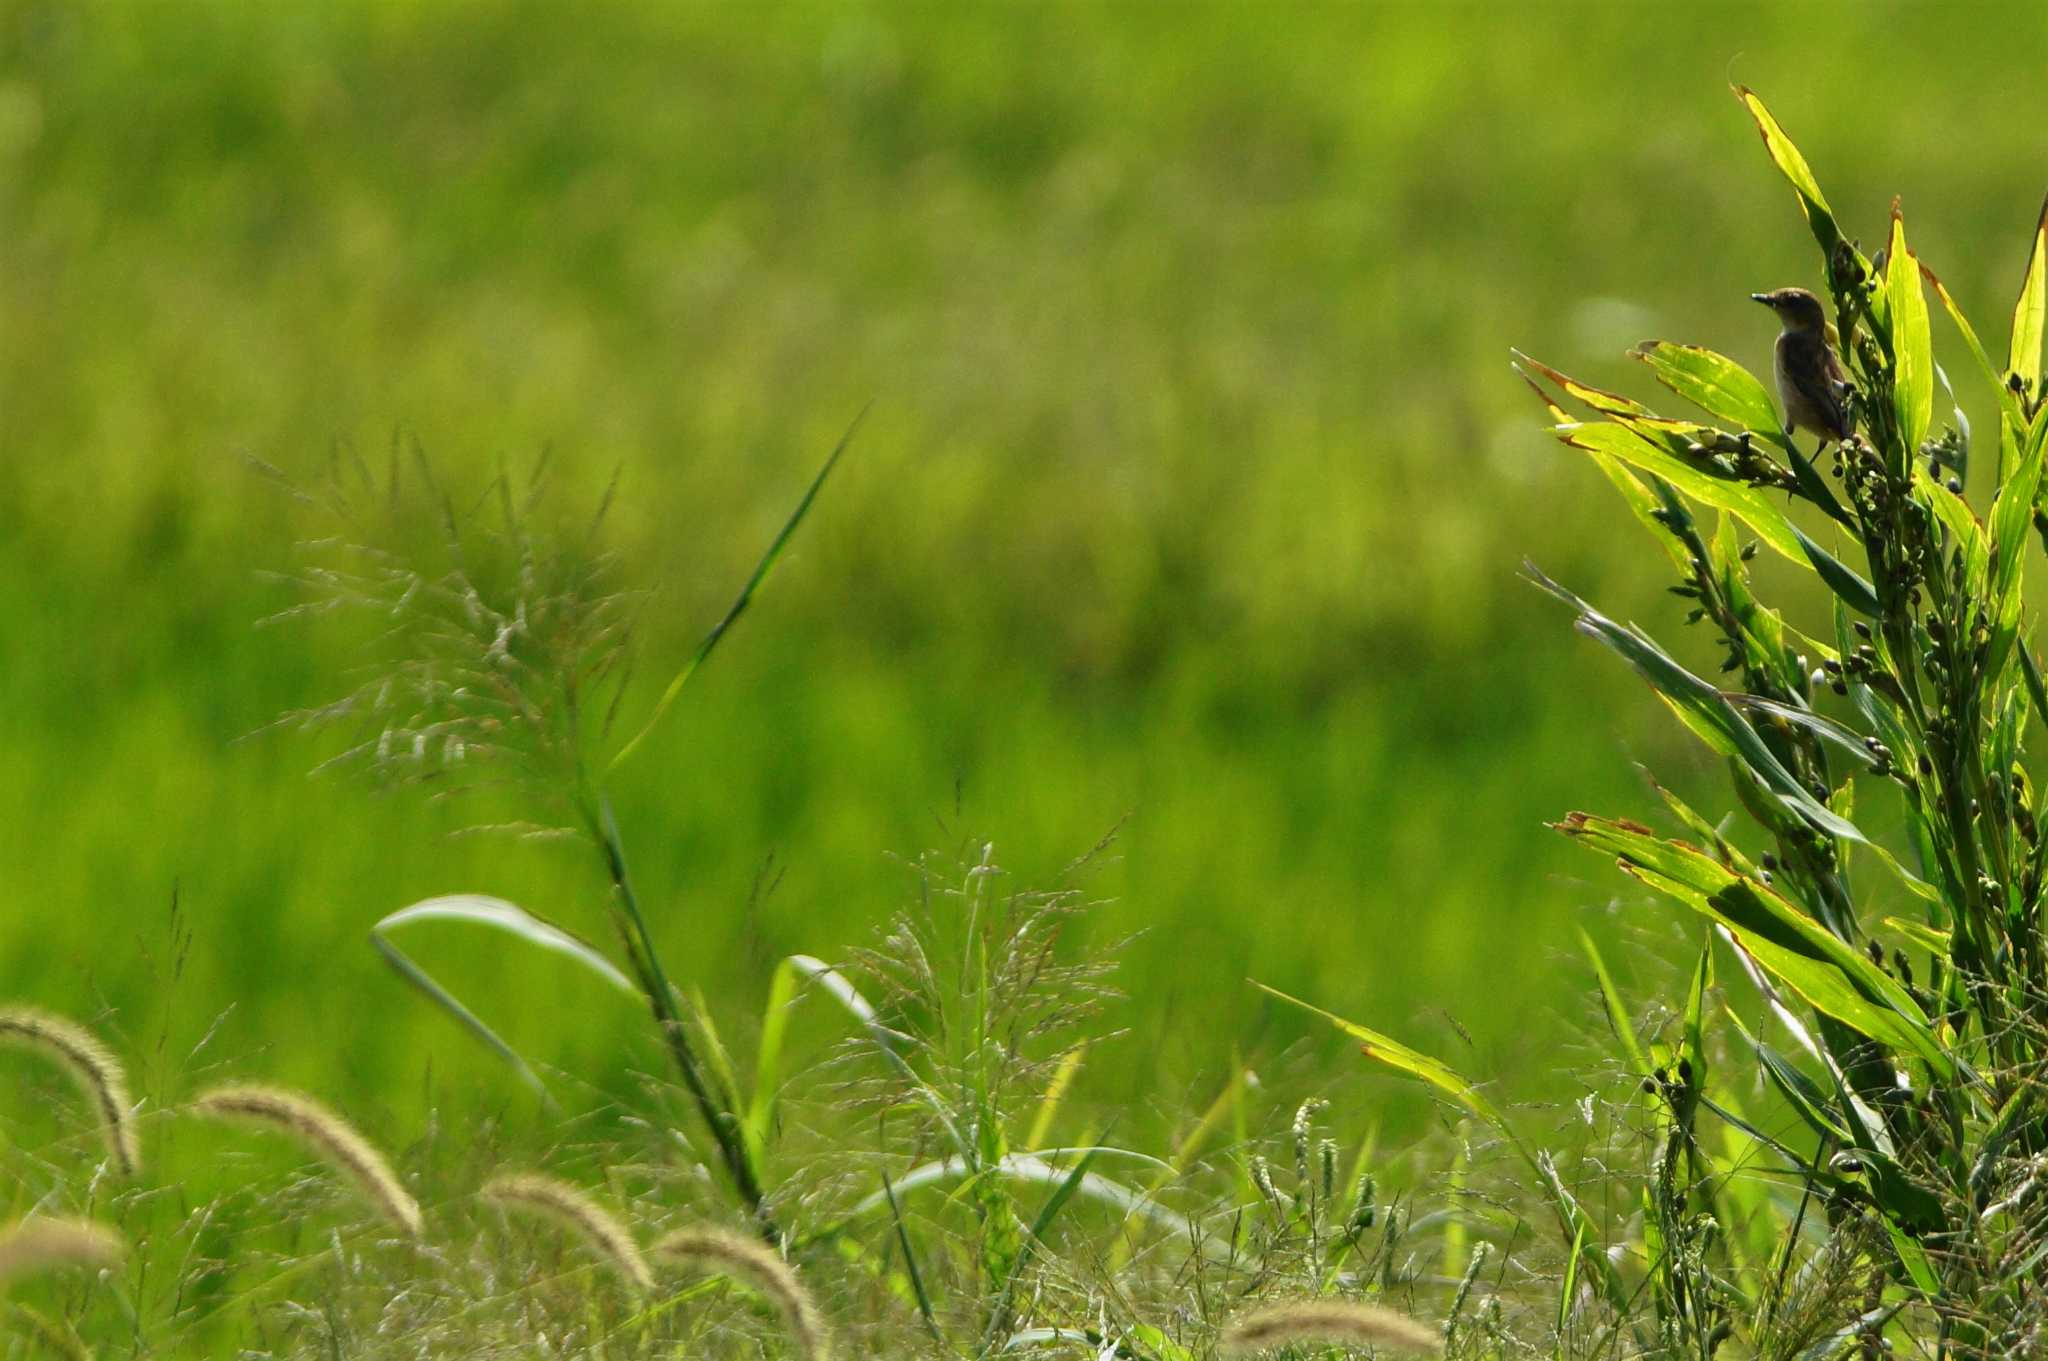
755	1262
566	1205
322	1131
34	1244
1336	1323
91	1065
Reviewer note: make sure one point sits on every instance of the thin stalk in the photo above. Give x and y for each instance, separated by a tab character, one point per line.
724	1126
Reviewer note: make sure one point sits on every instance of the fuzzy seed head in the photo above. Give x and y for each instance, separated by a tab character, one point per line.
577	1212
323	1132
756	1263
96	1071
34	1244
1339	1323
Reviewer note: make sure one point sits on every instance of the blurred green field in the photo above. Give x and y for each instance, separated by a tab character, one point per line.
1194	491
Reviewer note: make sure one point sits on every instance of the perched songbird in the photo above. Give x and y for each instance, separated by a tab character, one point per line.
1810	378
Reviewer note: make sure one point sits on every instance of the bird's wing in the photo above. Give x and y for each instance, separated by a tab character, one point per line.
1823	385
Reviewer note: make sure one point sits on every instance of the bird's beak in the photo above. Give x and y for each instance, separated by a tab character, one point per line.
1763	298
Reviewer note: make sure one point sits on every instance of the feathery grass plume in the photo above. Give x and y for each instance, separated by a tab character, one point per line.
571	1208
1330	1323
56	1338
757	1264
91	1065
34	1244
322	1131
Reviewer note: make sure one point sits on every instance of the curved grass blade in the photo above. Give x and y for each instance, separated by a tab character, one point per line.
739	606
1039	1169
782	996
478	910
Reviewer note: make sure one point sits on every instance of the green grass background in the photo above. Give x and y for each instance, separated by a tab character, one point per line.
1194	491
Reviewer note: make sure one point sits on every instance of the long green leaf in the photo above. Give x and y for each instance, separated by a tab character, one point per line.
1716	384
739	606
1617	1014
2011	516
2030	312
1738	498
1912	345
1396	1055
1812	203
1391	1052
2008	404
1830	974
1703	709
477	910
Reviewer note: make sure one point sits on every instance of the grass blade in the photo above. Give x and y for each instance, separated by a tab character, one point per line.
739	606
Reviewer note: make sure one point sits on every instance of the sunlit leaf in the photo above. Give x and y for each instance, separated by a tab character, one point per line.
1912	345
1812	203
477	910
1703	709
2030	312
1716	384
1830	974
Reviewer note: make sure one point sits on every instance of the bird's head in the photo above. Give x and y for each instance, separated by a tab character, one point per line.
1797	308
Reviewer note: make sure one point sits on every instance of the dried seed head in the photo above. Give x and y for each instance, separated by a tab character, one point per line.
34	1244
322	1131
756	1263
95	1070
1328	1323
577	1212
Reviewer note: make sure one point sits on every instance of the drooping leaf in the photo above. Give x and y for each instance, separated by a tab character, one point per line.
1705	710
1737	498
1391	1052
475	909
1858	594
1716	384
1602	401
1833	977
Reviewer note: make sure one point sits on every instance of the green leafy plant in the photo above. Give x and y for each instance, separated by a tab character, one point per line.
1847	1127
509	664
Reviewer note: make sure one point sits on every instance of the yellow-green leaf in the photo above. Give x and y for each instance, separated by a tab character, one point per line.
2030	313
1793	166
1716	384
1912	345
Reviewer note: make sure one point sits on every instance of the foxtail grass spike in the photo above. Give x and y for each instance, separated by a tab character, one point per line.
326	1134
91	1065
572	1209
36	1244
1330	1323
756	1263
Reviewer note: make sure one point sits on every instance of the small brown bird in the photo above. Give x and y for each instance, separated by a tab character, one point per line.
1810	378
